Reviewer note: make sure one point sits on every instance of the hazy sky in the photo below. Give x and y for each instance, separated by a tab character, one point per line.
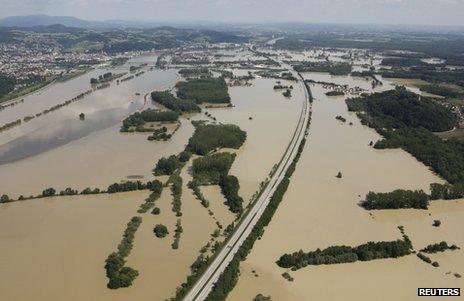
430	12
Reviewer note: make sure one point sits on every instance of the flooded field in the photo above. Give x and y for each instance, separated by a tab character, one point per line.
320	210
59	150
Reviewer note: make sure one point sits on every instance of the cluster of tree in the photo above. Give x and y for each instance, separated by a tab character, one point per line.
429	73
334	93
287	93
195	72
345	254
396	199
407	121
439	247
177	232
441	90
173	103
156	189
160	231
138	119
211	90
131	186
195	186
403	62
282	87
9	125
229	186
7	84
400	108
210	168
341	118
167	166
208	137
118	274
160	134
108	76
176	189
261	297
445	157
369	73
446	191
229	277
330	67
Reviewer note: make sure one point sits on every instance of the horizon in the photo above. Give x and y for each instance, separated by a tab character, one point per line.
357	12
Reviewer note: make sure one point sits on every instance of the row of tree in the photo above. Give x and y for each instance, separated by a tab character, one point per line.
396	199
118	274
345	254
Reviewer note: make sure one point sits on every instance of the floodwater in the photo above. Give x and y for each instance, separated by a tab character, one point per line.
59	150
91	225
274	119
320	210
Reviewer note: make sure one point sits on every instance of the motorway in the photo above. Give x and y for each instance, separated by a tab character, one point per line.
206	282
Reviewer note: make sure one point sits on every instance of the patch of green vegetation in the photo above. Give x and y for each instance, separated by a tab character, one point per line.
167	166
136	121
208	137
173	103
346	254
177	232
209	169
439	247
229	186
160	231
211	90
396	199
330	67
118	274
406	120
195	72
334	93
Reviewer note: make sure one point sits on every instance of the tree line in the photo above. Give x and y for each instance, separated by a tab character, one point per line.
346	254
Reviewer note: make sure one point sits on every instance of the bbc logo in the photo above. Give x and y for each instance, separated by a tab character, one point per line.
439	292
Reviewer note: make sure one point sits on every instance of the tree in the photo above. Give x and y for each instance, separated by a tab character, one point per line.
81	116
48	192
156	211
160	231
4	198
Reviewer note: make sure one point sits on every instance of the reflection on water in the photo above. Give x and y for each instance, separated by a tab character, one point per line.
51	136
103	109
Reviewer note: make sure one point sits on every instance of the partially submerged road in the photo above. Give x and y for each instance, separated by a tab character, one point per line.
206	282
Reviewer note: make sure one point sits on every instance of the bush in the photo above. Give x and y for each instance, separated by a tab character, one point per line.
48	192
160	231
439	247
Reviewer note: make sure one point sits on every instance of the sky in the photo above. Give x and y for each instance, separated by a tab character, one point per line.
414	12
